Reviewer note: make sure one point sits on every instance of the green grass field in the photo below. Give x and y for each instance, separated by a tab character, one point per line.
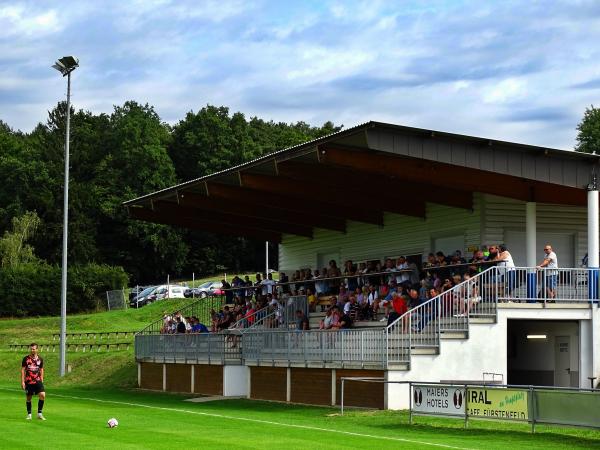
102	385
76	418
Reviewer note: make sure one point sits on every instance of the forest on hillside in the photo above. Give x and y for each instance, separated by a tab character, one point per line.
122	155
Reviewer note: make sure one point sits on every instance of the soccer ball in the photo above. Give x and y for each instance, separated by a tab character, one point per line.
112	423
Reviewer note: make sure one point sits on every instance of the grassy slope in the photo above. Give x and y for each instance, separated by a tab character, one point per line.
110	369
81	423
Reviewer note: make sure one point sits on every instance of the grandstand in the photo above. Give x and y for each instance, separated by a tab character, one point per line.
373	193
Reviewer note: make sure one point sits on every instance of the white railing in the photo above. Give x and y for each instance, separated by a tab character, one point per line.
342	347
423	325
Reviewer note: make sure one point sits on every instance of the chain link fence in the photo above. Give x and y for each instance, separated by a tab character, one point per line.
116	299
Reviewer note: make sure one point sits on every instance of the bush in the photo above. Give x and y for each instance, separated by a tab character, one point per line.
34	289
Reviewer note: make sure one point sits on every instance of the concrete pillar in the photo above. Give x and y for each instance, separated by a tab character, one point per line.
593	233
531	247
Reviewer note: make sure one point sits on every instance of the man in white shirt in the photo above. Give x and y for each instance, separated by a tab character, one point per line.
267	284
550	264
402	264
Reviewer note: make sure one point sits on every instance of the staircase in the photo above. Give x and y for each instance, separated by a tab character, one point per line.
447	316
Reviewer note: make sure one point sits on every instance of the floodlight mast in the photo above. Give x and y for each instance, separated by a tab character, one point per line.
65	66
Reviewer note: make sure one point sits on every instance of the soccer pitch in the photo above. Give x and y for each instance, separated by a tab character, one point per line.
77	419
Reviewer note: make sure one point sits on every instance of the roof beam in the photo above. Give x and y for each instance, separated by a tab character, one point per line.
385	186
458	177
205	225
345	198
265	211
294	204
173	209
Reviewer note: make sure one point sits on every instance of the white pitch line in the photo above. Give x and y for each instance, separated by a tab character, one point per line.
247	419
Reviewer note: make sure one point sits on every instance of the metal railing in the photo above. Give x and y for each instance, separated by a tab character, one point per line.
211	348
421	328
345	348
423	325
200	308
532	285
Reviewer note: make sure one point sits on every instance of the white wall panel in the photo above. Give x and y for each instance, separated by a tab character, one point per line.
501	214
399	235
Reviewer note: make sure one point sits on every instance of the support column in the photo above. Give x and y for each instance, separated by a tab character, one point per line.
531	246
593	235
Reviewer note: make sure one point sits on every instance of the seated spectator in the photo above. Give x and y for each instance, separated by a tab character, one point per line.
302	322
322	287
373	299
312	300
399	303
198	327
325	323
180	325
390	315
344	322
475	263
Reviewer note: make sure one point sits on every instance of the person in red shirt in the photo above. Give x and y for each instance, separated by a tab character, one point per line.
399	304
32	380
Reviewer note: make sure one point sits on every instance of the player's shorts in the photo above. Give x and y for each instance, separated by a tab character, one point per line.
34	389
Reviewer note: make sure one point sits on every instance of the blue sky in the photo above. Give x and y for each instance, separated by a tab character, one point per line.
521	71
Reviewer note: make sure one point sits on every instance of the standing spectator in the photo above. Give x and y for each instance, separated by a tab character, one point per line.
228	292
507	265
334	272
402	264
550	264
283	278
349	272
302	322
267	284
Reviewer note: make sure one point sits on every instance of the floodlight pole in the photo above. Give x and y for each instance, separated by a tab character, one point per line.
63	287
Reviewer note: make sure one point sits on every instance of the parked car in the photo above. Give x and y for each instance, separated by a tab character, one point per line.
136	290
170	291
204	290
142	298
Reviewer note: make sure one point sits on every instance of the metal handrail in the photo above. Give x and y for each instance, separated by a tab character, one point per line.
423	325
210	302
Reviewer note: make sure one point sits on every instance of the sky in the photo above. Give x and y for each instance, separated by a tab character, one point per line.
520	71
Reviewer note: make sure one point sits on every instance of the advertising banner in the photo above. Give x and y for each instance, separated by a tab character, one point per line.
498	403
438	399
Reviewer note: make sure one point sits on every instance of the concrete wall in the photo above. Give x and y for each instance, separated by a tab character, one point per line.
484	351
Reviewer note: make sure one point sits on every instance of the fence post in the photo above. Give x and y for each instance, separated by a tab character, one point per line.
466	409
342	397
410	406
107	300
532	410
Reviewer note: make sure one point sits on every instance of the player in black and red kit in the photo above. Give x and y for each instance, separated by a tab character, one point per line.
32	380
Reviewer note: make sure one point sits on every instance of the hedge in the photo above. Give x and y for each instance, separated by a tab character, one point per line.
34	289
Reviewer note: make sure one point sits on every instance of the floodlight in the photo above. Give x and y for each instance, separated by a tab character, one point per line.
66	65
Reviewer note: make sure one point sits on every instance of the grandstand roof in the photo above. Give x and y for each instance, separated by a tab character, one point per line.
358	174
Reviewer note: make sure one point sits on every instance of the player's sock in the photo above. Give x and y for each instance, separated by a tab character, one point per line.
40	406
28	407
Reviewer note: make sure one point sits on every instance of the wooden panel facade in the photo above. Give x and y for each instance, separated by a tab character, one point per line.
311	386
179	378
357	393
268	383
151	376
208	380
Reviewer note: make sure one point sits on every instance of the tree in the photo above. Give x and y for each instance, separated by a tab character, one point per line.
588	136
14	250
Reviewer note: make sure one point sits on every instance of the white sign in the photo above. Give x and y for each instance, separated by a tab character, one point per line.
438	399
